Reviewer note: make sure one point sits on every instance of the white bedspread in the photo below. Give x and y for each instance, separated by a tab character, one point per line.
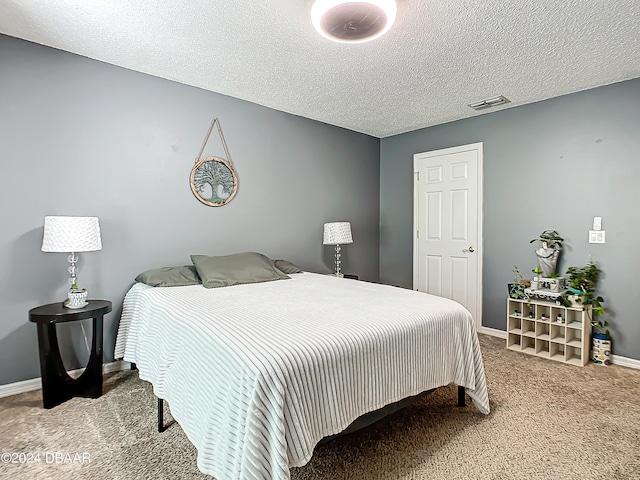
257	374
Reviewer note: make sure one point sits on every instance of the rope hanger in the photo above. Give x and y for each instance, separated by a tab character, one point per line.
206	139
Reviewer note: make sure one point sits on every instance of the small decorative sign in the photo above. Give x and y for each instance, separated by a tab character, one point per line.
213	180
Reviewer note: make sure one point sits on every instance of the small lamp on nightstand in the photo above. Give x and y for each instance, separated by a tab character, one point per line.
72	235
337	233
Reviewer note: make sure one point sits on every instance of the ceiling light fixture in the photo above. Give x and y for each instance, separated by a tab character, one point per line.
353	21
489	102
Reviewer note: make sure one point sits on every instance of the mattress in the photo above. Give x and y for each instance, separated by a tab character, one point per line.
257	374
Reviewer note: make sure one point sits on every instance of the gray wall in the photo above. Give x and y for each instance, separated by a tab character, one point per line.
550	165
80	137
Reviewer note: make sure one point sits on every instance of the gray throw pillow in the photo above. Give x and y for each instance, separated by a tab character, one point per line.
170	276
240	268
286	267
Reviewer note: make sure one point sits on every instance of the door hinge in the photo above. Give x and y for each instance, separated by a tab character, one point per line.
418	176
417	233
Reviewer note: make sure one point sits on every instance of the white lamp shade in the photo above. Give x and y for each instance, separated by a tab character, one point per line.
71	234
337	233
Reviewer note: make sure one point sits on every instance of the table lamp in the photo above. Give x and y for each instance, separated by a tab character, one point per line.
337	233
72	235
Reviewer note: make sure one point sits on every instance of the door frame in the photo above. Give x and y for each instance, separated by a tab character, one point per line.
436	153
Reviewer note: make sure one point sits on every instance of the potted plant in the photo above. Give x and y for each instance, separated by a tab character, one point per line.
536	274
516	289
76	297
582	287
583	283
549	251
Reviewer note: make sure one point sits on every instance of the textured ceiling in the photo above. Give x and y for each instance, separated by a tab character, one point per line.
440	55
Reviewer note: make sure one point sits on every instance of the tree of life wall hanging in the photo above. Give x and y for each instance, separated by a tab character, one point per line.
213	180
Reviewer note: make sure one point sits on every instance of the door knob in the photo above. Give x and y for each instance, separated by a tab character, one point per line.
470	250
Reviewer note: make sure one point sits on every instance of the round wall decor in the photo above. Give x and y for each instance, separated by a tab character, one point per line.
213	181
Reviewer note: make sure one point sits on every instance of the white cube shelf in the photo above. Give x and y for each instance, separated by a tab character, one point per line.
548	330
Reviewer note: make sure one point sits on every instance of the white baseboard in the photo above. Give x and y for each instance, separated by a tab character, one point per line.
615	359
625	361
494	332
36	383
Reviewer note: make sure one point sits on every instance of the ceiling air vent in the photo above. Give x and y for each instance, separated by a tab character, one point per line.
489	102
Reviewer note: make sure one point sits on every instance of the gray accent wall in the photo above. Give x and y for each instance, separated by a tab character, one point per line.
81	137
554	164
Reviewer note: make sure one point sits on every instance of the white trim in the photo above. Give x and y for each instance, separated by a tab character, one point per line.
36	383
480	175
20	387
416	171
494	332
625	361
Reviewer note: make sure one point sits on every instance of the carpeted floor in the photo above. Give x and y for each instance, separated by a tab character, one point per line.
549	421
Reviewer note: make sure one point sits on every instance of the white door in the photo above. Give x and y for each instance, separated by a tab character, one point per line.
447	255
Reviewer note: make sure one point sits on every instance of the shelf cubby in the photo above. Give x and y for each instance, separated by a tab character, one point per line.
558	315
573	355
574	337
542	331
543	312
528	345
529	328
542	347
514	341
556	351
558	333
515	325
543	335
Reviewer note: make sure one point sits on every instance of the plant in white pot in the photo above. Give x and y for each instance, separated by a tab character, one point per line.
536	275
516	289
76	297
583	283
549	251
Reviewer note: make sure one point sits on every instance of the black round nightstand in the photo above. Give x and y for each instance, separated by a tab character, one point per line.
57	385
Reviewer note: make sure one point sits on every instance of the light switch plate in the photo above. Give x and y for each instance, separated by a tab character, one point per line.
597	223
596	236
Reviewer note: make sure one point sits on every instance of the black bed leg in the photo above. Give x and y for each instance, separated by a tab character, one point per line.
461	398
133	366
161	427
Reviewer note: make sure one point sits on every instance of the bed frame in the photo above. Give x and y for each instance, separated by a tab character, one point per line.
461	403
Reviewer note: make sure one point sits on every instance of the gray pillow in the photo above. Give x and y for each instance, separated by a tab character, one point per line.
286	267
170	276
240	268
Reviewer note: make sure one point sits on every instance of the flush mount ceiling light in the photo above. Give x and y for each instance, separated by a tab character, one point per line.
350	21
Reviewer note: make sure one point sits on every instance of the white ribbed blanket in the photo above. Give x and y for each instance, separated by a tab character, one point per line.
257	374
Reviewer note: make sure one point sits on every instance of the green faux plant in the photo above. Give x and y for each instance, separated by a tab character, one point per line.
537	270
551	237
517	288
583	282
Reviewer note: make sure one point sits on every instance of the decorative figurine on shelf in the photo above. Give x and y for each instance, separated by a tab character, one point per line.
559	318
543	317
549	252
531	314
516	313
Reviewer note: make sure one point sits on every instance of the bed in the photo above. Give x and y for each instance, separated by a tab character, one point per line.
257	374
